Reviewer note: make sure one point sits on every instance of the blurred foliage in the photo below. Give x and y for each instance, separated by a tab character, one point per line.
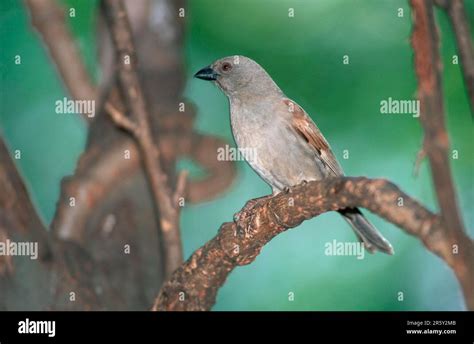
304	55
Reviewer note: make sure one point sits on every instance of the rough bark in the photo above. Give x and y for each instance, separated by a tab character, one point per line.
195	284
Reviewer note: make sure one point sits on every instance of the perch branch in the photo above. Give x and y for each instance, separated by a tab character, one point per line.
425	42
139	127
195	284
49	20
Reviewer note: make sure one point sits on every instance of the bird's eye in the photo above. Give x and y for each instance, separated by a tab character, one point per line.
226	67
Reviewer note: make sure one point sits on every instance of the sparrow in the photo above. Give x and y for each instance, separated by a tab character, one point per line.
289	147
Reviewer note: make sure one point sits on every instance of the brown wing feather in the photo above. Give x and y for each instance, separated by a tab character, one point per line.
305	127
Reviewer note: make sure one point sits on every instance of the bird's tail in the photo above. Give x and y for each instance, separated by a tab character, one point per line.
366	232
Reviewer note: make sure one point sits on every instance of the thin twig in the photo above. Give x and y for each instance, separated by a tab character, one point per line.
180	188
419	159
139	127
120	119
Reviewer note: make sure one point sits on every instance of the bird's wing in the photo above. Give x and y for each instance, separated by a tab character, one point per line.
308	130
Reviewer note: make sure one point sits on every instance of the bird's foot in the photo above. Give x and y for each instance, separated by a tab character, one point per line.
244	219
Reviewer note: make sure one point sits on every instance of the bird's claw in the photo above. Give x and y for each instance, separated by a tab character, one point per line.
244	219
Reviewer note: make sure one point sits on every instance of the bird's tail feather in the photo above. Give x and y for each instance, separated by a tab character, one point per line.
366	232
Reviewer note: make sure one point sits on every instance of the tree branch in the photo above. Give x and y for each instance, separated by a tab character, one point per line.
139	128
436	142
458	18
425	43
48	18
97	174
195	284
17	213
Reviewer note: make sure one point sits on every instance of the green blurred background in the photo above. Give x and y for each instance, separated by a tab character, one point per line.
304	55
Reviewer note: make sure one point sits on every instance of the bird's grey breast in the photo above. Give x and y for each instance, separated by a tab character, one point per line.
277	153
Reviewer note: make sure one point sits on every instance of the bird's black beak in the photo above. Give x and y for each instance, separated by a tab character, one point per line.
207	73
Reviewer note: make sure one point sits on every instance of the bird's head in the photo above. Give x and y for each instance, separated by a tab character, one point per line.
238	75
